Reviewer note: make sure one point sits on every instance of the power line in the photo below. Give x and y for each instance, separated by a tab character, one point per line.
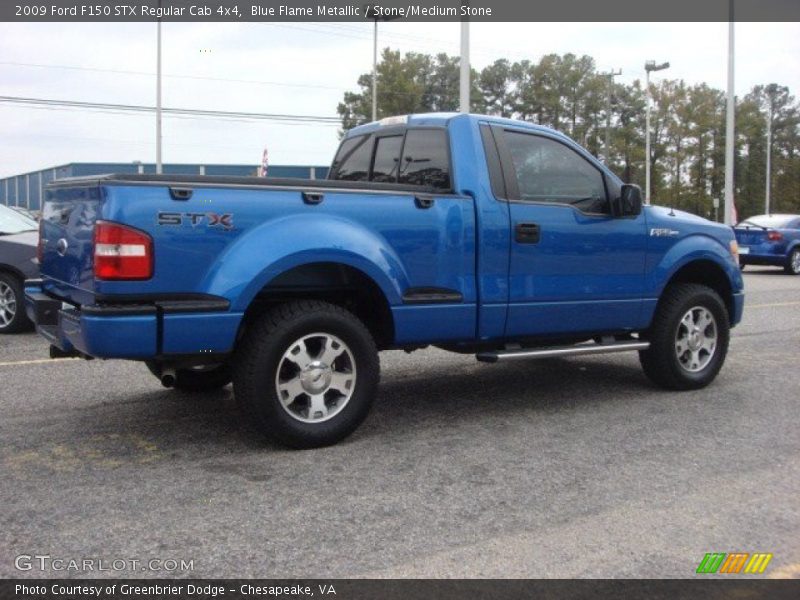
172	76
136	108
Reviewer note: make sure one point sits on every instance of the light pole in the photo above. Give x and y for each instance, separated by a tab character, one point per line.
464	83
607	145
650	65
771	92
375	72
159	168
727	217
372	15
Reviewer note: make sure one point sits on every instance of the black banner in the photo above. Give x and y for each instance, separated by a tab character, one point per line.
409	10
389	589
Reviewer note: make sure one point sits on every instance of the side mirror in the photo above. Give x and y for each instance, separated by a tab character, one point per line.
629	203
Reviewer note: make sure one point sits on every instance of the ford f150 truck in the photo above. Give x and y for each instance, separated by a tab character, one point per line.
475	234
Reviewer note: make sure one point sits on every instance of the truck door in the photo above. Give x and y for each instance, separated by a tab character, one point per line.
573	267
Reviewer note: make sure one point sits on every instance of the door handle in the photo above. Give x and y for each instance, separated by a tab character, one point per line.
423	201
526	233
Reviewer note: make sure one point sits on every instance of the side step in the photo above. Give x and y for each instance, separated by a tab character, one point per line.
578	350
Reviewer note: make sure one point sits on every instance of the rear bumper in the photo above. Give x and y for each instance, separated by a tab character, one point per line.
146	331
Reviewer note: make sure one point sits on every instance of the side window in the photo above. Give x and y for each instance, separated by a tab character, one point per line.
426	160
548	171
352	159
387	159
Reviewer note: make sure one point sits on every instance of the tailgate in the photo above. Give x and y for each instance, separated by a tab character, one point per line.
67	229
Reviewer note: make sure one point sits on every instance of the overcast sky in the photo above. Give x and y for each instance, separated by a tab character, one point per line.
301	68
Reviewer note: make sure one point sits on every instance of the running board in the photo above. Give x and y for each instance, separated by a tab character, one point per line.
583	349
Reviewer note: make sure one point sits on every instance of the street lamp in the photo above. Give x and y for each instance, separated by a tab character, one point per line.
650	65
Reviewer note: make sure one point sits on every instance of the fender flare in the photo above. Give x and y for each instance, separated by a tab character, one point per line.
691	249
268	250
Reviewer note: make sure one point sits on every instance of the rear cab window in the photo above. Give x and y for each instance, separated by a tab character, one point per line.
413	157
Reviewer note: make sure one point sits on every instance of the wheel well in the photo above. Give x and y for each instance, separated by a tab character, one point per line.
710	274
339	284
8	269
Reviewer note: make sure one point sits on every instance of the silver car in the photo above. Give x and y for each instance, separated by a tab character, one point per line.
19	238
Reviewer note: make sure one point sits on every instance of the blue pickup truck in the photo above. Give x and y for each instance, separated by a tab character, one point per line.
474	234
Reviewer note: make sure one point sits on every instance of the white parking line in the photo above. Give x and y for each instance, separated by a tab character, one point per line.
771	305
40	361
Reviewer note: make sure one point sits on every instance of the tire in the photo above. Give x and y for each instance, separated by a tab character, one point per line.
792	266
684	354
201	379
12	305
326	364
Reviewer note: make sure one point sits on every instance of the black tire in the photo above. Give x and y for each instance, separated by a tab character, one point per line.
261	353
792	266
196	380
13	301
661	361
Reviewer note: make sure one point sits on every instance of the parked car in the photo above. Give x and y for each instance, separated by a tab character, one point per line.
475	234
18	241
770	240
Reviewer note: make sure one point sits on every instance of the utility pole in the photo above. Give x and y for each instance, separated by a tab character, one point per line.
650	65
464	86
729	127
607	145
375	72
159	168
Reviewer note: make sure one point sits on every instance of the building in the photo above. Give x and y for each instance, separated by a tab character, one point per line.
28	189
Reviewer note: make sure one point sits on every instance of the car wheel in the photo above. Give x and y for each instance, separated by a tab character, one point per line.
12	310
202	378
792	266
306	373
688	339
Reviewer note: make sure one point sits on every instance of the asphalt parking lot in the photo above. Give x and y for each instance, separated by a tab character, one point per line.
558	468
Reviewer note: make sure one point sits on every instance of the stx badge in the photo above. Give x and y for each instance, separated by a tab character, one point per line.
662	232
210	219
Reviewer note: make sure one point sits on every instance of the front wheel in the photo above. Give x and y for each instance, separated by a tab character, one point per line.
688	339
306	373
792	266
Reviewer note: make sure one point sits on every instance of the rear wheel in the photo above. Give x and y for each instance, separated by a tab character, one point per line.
12	311
306	373
792	266
688	339
196	379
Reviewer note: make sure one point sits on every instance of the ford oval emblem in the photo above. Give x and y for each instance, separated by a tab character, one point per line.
61	246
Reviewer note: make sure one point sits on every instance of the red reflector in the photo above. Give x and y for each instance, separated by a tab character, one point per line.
774	236
121	252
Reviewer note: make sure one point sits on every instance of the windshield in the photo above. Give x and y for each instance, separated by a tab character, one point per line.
13	222
772	221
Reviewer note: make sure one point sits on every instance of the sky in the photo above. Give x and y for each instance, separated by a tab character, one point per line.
302	68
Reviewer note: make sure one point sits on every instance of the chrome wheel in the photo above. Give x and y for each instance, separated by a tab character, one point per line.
8	304
316	378
696	339
795	262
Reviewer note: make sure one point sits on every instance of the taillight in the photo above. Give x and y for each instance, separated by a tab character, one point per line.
121	252
40	245
774	236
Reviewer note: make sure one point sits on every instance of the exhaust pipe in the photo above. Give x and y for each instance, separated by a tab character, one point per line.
168	377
